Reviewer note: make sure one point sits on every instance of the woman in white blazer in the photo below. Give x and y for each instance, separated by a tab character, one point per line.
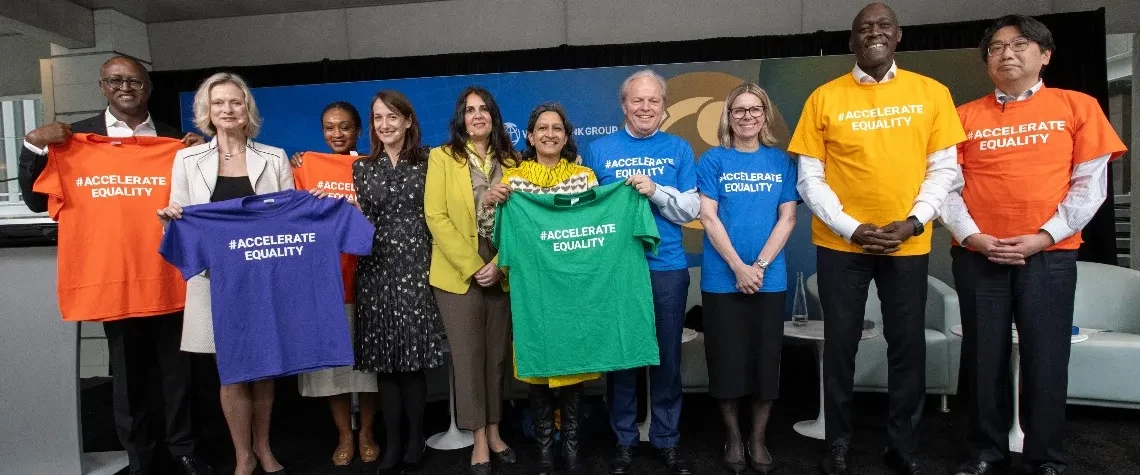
230	166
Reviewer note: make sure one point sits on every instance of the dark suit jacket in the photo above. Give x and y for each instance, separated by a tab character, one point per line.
32	165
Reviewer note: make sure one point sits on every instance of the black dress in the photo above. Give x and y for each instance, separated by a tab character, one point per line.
398	328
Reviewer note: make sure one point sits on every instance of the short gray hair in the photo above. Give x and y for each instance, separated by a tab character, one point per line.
644	73
202	105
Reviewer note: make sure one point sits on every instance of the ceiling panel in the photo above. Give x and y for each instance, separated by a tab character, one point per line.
152	11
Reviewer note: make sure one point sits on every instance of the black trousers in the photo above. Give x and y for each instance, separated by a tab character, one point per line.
1038	297
145	356
844	278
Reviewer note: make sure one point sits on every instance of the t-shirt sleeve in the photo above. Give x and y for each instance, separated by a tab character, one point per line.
502	234
788	191
963	112
946	128
1093	135
50	183
808	136
686	168
182	247
644	226
708	169
355	232
589	155
301	175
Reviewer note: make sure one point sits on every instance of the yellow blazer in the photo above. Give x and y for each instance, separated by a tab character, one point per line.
449	209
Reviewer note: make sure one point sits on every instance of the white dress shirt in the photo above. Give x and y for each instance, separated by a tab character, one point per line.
115	128
1088	188
941	171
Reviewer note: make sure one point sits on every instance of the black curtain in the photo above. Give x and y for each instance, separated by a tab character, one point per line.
1078	64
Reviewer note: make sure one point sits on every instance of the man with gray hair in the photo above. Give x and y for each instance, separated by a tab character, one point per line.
660	166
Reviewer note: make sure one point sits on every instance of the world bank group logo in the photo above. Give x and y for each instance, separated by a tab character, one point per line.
514	132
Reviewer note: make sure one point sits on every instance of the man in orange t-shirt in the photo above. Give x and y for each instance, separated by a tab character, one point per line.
1034	171
141	344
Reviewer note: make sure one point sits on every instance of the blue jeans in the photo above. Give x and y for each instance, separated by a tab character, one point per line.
670	290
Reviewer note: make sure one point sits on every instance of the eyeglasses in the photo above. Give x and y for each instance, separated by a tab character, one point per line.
1017	46
754	111
118	83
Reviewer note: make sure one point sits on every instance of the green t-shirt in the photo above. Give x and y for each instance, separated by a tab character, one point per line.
581	300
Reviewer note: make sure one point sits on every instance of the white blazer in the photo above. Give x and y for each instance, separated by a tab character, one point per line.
192	182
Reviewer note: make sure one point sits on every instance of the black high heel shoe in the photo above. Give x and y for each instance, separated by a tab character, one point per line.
761	467
506	457
411	465
734	466
483	468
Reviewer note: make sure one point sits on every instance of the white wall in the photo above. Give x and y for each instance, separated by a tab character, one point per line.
20	64
457	26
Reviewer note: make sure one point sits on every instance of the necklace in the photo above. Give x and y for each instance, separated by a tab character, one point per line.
228	155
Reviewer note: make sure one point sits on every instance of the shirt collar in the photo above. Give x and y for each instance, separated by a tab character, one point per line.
636	137
862	77
1003	98
113	121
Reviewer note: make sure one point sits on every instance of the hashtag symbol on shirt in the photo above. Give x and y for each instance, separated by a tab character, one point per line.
609	163
320	184
542	236
233	244
78	182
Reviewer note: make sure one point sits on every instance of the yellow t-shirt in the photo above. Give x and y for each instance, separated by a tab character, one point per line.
874	140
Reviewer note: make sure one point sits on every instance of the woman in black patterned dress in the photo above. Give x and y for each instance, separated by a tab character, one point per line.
398	330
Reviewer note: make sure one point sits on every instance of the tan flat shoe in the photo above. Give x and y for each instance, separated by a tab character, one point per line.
343	455
369	452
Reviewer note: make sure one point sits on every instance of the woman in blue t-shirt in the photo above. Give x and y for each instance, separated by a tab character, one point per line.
748	210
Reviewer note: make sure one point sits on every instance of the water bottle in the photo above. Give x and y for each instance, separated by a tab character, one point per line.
799	303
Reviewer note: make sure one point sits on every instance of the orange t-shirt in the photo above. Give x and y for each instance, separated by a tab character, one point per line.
104	193
333	173
1017	162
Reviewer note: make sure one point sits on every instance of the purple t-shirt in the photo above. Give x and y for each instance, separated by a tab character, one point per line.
275	283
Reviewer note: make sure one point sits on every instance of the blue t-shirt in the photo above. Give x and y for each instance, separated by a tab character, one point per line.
275	281
748	187
663	157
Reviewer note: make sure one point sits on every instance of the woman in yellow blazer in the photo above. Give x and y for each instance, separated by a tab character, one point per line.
477	318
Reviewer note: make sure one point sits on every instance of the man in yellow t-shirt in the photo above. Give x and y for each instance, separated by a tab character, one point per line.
877	158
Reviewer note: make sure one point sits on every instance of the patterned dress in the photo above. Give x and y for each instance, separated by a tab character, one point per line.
398	328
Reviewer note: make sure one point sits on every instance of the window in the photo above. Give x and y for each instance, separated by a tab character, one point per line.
18	116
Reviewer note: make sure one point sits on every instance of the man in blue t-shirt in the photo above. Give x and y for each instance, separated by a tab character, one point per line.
660	166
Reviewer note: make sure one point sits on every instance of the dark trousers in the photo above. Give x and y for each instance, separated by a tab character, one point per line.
1038	297
144	355
844	278
670	290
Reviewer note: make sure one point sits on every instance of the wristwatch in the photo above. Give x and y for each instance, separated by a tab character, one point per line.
918	227
761	263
